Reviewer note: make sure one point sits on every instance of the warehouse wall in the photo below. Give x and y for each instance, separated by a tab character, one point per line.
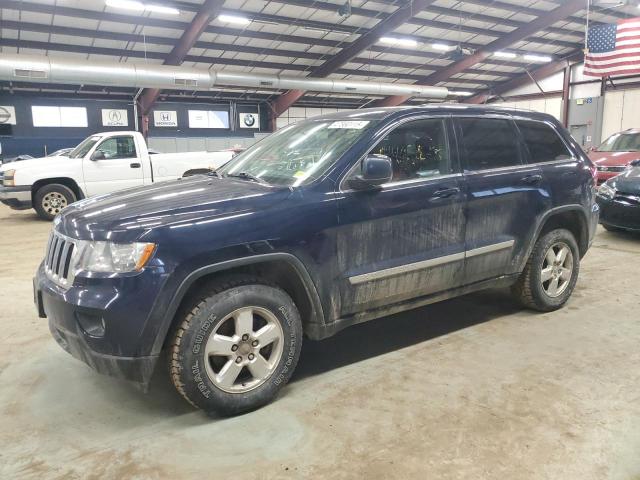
621	106
25	138
621	111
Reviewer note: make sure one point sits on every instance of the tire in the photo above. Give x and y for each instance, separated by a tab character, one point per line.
51	199
208	341
535	286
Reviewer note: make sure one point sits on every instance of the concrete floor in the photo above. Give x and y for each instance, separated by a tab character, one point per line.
470	388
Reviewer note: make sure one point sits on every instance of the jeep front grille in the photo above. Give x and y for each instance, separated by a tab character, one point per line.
58	259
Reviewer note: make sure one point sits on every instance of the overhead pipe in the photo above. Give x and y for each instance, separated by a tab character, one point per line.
45	69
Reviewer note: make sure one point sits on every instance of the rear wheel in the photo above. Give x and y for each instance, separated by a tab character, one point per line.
551	272
51	199
236	347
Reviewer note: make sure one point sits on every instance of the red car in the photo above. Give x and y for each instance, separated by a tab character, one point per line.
616	153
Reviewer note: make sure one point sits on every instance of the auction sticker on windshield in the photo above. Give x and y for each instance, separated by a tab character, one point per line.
350	124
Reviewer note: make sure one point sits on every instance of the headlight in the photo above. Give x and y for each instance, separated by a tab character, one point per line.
113	257
8	179
607	191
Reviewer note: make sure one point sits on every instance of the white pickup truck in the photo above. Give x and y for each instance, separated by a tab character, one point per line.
102	163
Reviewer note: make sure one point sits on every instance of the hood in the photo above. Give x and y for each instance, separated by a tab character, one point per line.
627	182
125	215
48	162
613	159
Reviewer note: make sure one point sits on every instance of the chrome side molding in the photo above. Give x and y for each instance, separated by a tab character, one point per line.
432	262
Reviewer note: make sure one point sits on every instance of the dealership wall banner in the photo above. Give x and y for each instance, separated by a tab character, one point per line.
115	118
7	115
165	118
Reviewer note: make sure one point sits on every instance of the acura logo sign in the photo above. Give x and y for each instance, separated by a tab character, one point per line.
5	115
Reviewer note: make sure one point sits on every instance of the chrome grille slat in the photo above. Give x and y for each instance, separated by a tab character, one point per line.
58	256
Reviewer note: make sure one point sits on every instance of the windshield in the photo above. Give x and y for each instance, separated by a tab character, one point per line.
82	149
621	142
297	154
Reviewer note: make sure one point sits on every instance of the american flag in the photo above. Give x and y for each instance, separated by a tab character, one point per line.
613	49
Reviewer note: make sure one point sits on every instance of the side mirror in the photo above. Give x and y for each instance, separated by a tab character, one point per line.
635	163
98	155
376	170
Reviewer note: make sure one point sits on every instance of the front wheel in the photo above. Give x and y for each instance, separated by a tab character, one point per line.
51	199
236	347
551	273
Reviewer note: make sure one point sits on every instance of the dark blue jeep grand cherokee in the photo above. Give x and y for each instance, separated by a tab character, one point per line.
324	224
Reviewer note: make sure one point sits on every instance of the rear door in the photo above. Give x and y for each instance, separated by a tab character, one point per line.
563	172
405	239
505	196
120	168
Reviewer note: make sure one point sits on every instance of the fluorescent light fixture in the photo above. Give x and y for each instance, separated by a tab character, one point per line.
442	47
141	7
538	58
404	42
234	19
504	54
460	93
162	9
126	5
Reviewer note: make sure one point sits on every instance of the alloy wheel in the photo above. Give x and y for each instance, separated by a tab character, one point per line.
557	269
244	349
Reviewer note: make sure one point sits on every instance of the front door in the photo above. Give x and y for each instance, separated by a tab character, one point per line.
116	166
505	196
406	239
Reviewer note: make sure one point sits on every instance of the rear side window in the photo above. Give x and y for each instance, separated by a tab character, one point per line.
488	143
543	142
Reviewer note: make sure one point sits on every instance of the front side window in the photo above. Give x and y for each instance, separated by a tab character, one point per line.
118	147
621	142
299	153
488	143
417	149
543	142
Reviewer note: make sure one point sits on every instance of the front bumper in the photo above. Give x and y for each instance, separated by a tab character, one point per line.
18	198
102	321
621	213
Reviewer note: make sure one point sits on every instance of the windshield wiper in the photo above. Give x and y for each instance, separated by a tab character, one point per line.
247	176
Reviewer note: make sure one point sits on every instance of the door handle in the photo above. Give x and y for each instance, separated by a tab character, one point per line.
135	165
532	179
445	192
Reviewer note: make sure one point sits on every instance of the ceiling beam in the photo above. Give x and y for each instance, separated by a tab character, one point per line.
209	60
177	25
198	25
350	51
365	12
537	74
568	8
225	47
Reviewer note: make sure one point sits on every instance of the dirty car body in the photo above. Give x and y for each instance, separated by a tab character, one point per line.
436	230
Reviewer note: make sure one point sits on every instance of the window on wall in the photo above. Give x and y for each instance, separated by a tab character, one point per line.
488	143
48	116
118	147
417	149
542	141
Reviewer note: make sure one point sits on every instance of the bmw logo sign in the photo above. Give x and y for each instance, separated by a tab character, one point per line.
249	120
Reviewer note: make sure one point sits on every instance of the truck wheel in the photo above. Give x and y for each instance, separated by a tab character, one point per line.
50	199
236	346
551	272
